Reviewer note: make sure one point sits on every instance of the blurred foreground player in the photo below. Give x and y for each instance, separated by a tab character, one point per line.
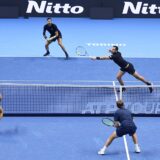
1	109
124	125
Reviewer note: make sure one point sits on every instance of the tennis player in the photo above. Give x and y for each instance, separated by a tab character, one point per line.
124	125
1	112
55	34
1	109
124	65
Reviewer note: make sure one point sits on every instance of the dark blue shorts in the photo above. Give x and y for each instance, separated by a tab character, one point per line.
130	69
123	130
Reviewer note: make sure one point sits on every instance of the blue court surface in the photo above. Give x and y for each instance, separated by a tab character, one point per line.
73	138
48	68
136	37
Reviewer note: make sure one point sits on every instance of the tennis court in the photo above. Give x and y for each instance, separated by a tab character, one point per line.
72	138
32	84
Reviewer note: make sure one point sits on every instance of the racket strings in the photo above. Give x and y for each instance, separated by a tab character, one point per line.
81	51
108	122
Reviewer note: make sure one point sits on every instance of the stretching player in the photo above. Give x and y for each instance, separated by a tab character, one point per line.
55	34
124	125
125	67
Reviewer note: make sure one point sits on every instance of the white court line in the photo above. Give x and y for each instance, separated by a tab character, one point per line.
124	137
126	147
115	92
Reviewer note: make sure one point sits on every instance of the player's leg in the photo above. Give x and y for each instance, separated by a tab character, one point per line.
47	48
135	141
108	142
63	48
139	77
119	78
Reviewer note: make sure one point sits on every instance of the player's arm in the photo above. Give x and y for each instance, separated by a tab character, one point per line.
53	37
44	32
56	34
116	120
101	58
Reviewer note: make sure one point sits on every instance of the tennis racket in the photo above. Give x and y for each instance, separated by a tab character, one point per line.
81	51
108	122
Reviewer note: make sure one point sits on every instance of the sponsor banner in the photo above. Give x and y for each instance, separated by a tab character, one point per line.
134	107
137	9
51	8
62	8
81	8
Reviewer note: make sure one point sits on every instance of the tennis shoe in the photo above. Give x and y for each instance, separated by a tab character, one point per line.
101	151
137	149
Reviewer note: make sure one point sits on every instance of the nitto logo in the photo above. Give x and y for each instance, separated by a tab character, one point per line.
48	7
141	8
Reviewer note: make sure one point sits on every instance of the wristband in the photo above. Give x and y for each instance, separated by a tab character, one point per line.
98	58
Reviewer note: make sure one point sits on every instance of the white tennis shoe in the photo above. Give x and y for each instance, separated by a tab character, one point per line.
137	148
102	151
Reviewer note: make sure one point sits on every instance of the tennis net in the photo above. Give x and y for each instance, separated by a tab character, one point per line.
75	97
139	100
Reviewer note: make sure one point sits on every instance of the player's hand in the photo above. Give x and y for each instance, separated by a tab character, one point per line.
93	58
110	51
117	124
48	40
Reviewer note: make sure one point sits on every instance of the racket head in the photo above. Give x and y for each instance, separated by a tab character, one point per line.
108	122
81	51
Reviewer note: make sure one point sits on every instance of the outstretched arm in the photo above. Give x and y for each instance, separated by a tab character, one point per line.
101	58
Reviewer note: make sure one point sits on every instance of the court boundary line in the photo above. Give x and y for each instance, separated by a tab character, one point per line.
124	137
